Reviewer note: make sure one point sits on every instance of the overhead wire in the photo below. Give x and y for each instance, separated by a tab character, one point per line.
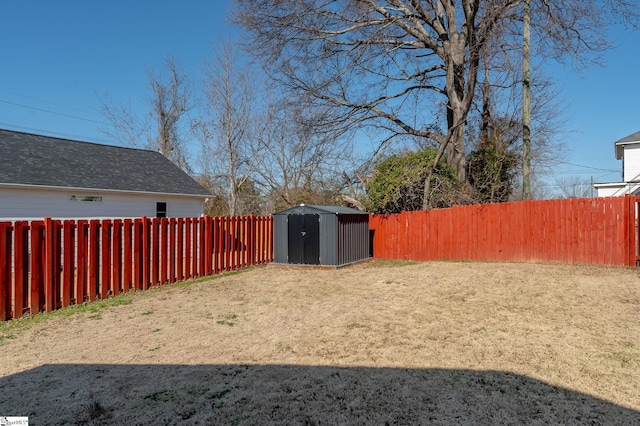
53	112
46	102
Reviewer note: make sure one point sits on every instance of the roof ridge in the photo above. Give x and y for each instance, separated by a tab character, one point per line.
76	140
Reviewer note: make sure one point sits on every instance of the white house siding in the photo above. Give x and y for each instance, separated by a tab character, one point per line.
631	163
29	204
611	190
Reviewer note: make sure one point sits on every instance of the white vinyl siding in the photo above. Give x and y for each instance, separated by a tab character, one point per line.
611	190
631	161
28	204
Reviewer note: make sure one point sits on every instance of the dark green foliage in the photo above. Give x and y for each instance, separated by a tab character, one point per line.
398	182
491	170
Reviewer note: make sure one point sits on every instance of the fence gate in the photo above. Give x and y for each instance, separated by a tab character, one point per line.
304	239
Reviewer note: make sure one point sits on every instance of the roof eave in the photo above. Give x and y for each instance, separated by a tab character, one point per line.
610	185
101	190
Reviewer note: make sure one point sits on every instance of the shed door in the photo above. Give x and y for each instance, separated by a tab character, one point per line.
304	239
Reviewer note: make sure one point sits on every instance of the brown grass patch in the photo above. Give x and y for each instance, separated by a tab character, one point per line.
437	342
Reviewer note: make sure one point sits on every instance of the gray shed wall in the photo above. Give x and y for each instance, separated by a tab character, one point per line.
328	239
352	238
344	237
280	239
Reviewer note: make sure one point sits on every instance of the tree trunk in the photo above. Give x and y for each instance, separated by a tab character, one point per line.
526	106
457	105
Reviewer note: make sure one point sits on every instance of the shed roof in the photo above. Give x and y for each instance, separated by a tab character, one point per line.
627	140
28	159
317	209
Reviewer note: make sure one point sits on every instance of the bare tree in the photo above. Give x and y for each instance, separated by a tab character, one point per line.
411	67
574	187
565	29
299	163
161	129
226	131
495	126
383	64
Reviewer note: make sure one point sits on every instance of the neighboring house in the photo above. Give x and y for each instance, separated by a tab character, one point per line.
42	176
628	150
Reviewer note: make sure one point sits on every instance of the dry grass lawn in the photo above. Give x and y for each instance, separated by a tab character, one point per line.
375	343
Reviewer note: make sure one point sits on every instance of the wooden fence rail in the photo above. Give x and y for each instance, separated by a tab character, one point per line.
49	264
579	231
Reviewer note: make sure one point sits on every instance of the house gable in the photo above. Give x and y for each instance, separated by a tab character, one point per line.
619	145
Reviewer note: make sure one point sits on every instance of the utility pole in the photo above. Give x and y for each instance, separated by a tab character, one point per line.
526	103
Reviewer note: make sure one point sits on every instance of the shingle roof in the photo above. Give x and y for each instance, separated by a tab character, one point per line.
27	159
619	144
634	137
316	209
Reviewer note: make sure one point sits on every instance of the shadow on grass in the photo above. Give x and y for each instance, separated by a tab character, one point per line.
287	394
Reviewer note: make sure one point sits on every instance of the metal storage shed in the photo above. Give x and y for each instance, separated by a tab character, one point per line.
320	235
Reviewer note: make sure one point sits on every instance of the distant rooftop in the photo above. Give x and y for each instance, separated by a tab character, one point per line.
619	144
28	159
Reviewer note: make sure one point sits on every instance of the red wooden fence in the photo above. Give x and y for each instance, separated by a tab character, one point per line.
580	231
49	264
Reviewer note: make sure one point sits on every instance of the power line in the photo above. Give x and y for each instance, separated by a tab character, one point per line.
587	167
53	112
46	102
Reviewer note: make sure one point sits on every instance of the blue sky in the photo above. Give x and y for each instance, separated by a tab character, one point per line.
61	56
58	57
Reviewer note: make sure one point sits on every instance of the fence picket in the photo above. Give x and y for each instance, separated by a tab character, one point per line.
68	268
127	258
163	226
105	258
180	250
5	270
194	247
82	249
116	257
20	268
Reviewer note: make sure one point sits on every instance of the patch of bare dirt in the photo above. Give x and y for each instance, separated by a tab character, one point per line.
376	343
